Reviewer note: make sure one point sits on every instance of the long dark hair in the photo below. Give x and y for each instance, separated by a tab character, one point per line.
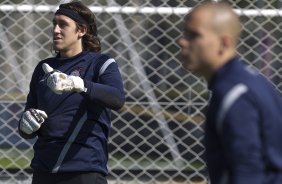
90	41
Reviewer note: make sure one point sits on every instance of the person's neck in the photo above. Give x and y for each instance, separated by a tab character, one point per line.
208	76
70	53
217	65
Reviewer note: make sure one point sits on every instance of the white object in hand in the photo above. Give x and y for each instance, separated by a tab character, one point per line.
31	120
60	82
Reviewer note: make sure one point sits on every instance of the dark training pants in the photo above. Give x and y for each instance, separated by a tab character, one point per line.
68	178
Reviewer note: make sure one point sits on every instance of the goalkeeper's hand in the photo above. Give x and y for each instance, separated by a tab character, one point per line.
31	120
60	82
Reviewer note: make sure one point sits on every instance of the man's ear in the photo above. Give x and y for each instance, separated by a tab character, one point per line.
226	43
82	31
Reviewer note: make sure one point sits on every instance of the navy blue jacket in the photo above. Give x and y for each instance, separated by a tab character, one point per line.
74	137
243	128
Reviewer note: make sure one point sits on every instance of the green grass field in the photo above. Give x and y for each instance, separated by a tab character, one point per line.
20	159
11	159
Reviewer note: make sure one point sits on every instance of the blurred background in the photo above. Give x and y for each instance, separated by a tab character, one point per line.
157	136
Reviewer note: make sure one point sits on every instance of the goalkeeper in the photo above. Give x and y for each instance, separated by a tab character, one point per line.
69	104
244	119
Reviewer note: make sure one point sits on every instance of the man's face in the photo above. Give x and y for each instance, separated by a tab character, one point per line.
199	44
65	34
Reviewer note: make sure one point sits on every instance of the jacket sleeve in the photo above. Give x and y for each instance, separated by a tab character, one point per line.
241	140
109	90
31	102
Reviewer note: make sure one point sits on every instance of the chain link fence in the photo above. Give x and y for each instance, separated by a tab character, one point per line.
157	136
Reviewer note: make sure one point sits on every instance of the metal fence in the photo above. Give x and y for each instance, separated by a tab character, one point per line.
157	136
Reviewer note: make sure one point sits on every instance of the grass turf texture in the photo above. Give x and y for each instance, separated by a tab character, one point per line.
20	159
15	159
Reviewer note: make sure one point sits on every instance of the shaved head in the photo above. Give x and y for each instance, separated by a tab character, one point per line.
221	17
210	37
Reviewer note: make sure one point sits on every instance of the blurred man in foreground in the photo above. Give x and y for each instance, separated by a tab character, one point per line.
244	118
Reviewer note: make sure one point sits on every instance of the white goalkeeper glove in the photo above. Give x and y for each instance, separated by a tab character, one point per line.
60	82
31	120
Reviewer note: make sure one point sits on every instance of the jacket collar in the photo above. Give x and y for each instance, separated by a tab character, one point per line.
221	72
